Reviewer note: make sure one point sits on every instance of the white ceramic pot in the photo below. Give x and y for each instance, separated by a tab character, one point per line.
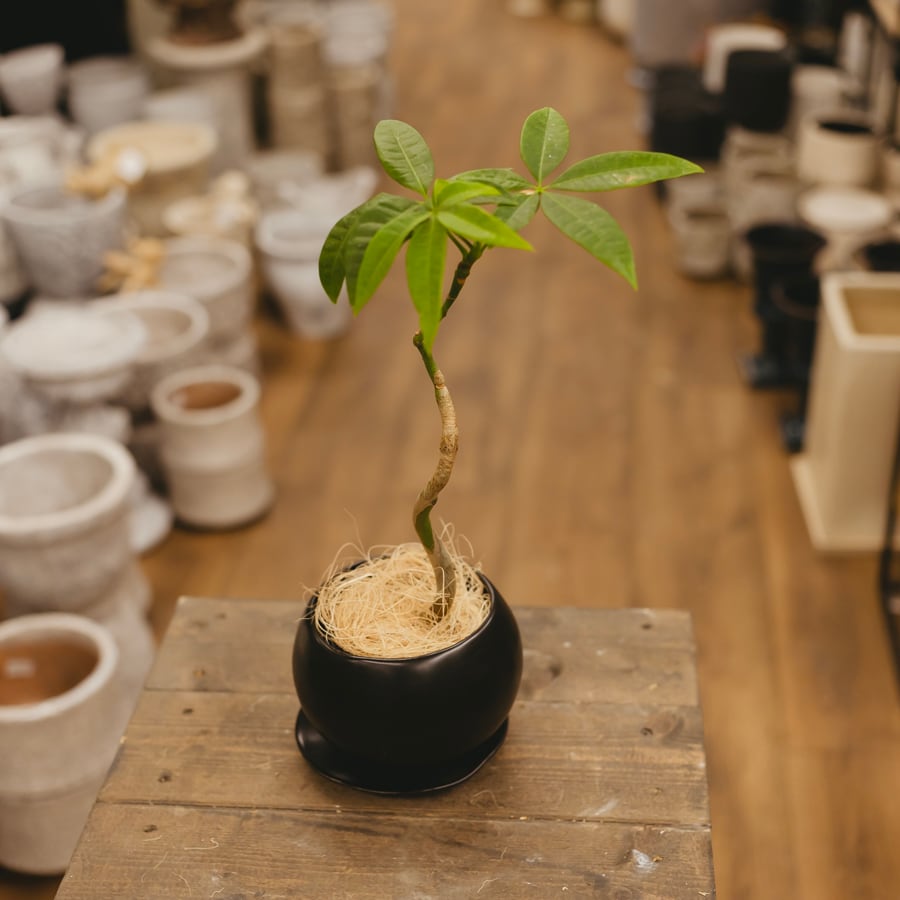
30	78
837	147
296	33
61	238
702	240
816	89
272	170
848	218
289	243
226	217
104	91
355	100
177	329
34	149
216	272
724	38
332	195
843	475
77	355
212	446
64	508
62	711
176	159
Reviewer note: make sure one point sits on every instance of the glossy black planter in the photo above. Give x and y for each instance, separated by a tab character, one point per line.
881	256
401	726
780	252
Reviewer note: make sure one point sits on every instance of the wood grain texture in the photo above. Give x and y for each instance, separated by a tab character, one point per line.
610	456
599	787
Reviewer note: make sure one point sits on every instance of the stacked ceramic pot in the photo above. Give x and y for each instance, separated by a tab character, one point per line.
358	36
65	508
62	711
296	97
218	273
212	446
31	79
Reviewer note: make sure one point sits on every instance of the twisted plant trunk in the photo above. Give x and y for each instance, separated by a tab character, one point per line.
438	554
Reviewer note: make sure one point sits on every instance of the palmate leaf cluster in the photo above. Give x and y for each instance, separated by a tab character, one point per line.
479	209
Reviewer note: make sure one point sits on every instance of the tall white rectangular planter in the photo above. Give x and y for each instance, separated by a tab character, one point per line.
843	476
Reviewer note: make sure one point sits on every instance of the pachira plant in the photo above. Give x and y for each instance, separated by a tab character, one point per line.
470	213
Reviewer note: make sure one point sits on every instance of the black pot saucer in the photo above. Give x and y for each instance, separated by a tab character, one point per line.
385	778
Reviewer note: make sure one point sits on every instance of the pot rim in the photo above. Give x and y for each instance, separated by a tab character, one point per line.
194	311
113	494
171	412
89	210
61	625
210	245
197	142
131	340
323	641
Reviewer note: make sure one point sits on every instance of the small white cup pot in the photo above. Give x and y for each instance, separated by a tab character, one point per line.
61	238
289	243
838	147
62	711
30	78
848	218
177	328
212	446
702	239
64	514
219	274
104	91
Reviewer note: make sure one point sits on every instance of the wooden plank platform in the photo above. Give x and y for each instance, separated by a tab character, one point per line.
599	790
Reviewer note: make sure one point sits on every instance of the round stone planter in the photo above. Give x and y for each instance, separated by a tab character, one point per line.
212	446
176	157
64	508
75	356
401	726
216	272
177	328
289	243
61	238
62	711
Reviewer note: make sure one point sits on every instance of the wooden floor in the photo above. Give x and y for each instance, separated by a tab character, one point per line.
610	456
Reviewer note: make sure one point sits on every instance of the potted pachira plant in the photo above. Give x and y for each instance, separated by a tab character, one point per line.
408	662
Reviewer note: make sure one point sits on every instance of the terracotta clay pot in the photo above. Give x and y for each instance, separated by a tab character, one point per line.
407	725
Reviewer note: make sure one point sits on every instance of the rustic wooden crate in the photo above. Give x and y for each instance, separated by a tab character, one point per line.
599	790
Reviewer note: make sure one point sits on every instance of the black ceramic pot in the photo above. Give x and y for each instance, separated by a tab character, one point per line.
881	256
758	89
797	302
403	726
780	251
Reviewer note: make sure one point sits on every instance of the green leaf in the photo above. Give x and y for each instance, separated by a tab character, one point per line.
518	210
381	252
593	228
426	256
628	168
480	226
504	179
332	262
544	142
371	216
404	155
450	193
